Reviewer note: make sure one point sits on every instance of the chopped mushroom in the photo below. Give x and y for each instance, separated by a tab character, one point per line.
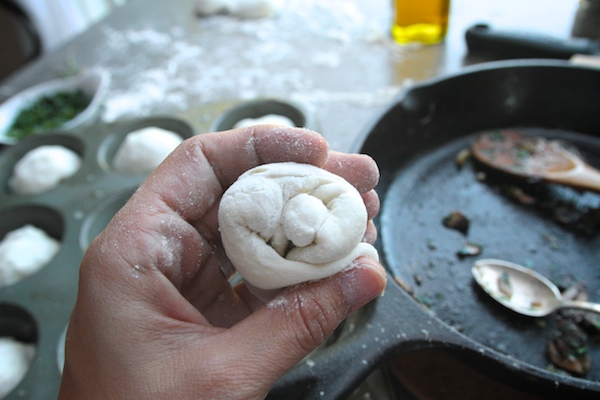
504	284
462	157
458	221
568	349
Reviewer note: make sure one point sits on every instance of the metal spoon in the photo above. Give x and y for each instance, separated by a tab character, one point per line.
522	289
534	157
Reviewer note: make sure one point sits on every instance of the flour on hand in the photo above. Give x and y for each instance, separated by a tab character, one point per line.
43	168
286	223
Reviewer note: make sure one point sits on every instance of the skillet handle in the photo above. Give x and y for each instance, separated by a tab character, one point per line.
392	325
482	38
329	373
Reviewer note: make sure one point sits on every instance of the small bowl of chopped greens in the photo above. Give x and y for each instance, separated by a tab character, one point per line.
59	104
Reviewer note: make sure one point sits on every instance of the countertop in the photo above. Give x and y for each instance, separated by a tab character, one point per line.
334	57
165	60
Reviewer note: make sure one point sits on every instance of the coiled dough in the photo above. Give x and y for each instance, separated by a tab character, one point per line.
287	223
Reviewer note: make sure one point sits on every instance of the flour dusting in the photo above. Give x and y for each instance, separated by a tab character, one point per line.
174	70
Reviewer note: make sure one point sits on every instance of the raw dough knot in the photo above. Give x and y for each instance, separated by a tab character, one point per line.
286	223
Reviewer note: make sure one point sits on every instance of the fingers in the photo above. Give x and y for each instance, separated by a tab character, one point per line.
371	200
205	165
358	169
300	319
172	216
261	145
193	177
171	222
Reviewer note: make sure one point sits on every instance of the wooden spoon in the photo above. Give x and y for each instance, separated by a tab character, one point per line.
535	157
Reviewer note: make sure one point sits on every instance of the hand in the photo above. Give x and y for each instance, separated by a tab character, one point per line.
156	316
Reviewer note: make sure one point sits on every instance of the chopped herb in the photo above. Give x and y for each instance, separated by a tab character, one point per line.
523	154
528	264
425	300
49	112
497	135
431	244
541	323
504	284
469	249
552	241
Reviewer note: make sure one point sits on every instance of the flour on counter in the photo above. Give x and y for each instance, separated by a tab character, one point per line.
158	72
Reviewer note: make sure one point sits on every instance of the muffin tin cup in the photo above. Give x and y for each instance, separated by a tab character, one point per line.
260	108
37	309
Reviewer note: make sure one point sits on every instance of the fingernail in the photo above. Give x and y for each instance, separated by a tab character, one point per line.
363	283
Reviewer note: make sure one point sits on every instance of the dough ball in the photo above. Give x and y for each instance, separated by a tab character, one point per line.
43	168
287	223
23	252
143	150
15	358
269	119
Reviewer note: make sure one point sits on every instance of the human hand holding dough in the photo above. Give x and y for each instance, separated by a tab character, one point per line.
156	317
287	223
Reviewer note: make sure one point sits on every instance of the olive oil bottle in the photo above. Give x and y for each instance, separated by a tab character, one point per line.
420	21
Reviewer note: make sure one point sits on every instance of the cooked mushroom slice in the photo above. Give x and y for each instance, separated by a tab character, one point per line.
568	349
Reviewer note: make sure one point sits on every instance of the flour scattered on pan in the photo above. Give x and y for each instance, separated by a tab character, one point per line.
170	71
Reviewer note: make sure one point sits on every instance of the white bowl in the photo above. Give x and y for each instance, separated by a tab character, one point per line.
94	84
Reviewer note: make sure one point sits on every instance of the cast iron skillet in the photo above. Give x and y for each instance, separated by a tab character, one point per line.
415	142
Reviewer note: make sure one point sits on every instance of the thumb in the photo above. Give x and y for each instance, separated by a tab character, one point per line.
302	317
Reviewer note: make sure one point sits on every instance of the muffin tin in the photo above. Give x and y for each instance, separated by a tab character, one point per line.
260	108
37	309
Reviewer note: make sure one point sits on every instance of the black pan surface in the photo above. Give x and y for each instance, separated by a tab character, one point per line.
415	143
422	252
